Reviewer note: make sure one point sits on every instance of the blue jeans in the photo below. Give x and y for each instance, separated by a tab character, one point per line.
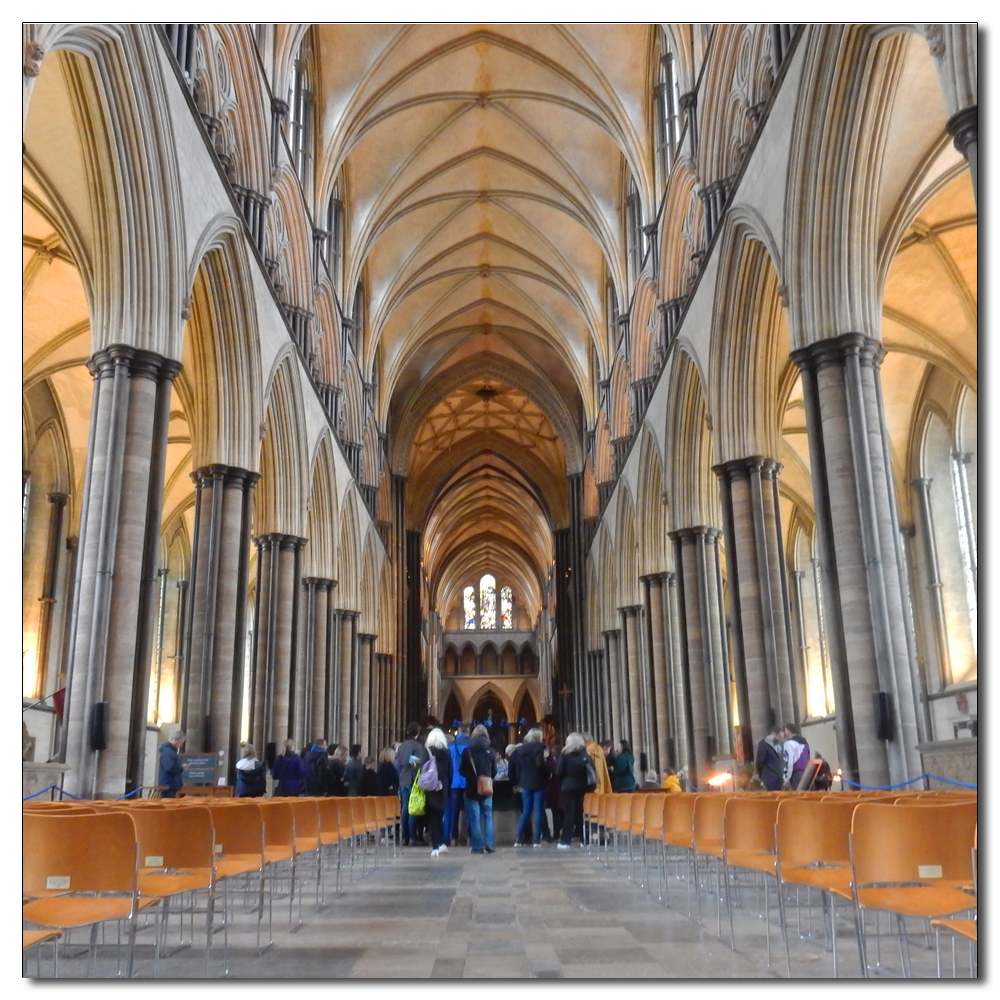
455	805
533	805
407	823
480	816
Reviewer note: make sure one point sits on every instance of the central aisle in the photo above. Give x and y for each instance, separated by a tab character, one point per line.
541	913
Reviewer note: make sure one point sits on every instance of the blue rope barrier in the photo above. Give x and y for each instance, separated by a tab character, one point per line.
903	784
128	795
50	788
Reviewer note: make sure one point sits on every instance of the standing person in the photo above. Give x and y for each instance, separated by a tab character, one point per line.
336	771
770	761
797	754
353	770
368	785
553	793
600	762
386	773
316	767
456	794
437	747
170	779
289	771
251	775
478	761
623	773
410	755
531	774
572	770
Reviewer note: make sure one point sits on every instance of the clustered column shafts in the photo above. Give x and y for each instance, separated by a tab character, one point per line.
613	682
347	646
114	607
57	507
705	675
313	708
758	596
632	695
863	584
656	624
216	616
366	667
275	639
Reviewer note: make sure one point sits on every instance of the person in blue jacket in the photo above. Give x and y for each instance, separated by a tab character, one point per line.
289	771
456	794
171	769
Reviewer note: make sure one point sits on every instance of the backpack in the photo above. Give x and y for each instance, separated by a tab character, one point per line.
591	775
428	778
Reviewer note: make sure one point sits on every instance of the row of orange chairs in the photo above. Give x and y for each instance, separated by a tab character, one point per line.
87	863
911	854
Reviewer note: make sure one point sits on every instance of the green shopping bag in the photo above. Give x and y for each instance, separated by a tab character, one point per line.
418	801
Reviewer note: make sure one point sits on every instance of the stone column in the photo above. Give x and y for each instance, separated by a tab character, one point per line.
47	600
758	597
611	640
864	589
963	127
215	623
678	741
312	701
275	638
348	664
704	663
656	628
366	666
115	593
633	680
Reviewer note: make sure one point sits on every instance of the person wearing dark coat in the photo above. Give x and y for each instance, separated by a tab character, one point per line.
478	760
336	771
386	775
437	747
251	775
623	770
289	771
574	781
315	761
532	776
770	761
171	770
368	785
353	770
410	754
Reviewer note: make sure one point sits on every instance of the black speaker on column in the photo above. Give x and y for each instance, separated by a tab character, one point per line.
99	725
882	706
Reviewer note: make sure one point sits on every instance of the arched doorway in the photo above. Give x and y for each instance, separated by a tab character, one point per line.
451	717
489	712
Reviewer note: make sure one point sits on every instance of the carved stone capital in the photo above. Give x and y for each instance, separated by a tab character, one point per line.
963	127
836	351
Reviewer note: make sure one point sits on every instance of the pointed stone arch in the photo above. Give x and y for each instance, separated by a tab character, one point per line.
348	557
322	520
627	547
369	585
651	507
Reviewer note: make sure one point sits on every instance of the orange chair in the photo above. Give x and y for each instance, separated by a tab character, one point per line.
911	861
709	819
371	823
32	939
329	834
80	871
359	827
812	841
652	833
637	814
968	929
748	845
279	854
622	820
307	839
589	817
678	833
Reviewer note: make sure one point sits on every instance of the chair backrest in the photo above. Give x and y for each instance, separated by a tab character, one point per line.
346	817
709	819
371	816
589	804
637	813
174	838
329	820
306	816
89	853
239	827
356	807
910	843
652	820
678	818
809	832
279	825
748	823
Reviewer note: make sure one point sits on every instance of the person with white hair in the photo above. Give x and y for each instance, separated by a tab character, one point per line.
437	750
531	776
577	775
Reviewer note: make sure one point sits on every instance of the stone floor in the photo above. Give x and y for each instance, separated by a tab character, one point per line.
519	913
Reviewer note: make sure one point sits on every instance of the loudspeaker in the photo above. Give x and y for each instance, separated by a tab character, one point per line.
99	725
882	707
270	754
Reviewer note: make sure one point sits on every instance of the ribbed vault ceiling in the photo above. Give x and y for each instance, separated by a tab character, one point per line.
483	168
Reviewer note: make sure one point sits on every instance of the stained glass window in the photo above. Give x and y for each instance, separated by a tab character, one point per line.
469	601
506	608
487	602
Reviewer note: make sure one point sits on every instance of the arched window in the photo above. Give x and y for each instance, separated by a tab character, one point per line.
506	607
667	100
300	112
335	239
469	606
488	602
